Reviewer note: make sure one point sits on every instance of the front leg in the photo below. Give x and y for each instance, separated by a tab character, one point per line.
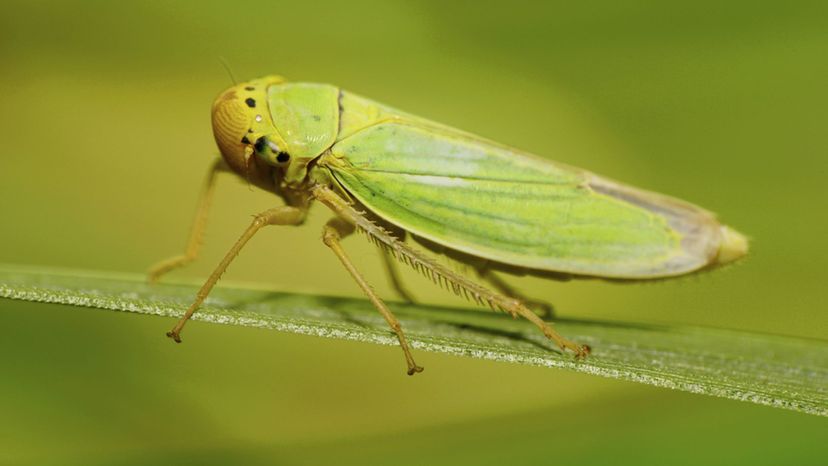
277	216
196	232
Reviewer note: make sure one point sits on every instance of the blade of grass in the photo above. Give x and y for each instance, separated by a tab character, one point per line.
784	372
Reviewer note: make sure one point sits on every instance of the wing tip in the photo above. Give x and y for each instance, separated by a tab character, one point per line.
733	246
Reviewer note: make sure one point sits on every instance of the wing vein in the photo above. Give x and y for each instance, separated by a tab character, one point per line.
463	177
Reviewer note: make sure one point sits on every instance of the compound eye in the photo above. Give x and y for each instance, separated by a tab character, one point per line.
270	151
260	145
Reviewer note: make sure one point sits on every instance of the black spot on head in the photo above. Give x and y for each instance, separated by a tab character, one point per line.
317	118
250	130
251	102
282	157
260	143
249	88
245	140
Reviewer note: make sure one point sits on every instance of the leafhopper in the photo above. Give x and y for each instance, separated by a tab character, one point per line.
391	175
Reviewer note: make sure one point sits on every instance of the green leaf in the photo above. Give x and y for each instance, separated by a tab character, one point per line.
784	372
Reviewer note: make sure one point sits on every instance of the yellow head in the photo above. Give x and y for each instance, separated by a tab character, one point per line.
242	127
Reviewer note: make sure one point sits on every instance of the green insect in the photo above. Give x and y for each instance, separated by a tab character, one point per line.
390	174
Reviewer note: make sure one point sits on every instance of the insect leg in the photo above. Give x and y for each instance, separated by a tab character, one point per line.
197	230
439	272
333	232
277	216
389	262
540	308
516	307
394	276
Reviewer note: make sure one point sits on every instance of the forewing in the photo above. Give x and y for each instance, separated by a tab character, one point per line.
494	202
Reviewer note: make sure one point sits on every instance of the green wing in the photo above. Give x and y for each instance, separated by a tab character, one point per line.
494	202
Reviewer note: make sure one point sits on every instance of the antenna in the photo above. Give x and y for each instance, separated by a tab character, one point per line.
226	67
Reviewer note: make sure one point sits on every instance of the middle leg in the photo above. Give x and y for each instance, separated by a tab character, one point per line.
333	232
394	276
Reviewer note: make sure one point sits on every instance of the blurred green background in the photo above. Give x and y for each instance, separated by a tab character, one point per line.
105	139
